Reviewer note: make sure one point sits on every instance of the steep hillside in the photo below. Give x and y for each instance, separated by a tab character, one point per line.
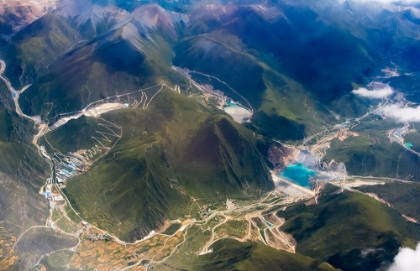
83	132
90	19
405	197
171	151
349	230
229	254
21	170
166	154
22	173
275	98
132	56
36	46
276	62
371	153
323	58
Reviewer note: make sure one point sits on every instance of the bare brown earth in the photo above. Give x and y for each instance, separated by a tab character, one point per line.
108	255
280	156
7	256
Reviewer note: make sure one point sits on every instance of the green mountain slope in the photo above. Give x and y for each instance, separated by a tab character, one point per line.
349	230
174	150
325	66
229	254
371	153
82	130
286	62
405	197
120	61
36	46
21	169
22	173
275	98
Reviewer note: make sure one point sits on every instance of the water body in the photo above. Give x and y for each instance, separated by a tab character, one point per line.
298	174
408	145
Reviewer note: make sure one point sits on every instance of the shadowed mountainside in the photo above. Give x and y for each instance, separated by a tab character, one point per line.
132	56
36	46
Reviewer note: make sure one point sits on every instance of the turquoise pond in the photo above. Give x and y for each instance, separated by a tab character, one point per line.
298	174
231	104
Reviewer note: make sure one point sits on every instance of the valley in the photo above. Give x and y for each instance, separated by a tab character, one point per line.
243	221
67	221
236	110
235	135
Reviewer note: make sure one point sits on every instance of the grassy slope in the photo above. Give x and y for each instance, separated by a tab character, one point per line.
36	46
82	131
413	138
21	169
12	152
323	58
22	172
289	67
341	226
47	241
371	153
21	159
405	197
173	150
102	67
229	254
275	98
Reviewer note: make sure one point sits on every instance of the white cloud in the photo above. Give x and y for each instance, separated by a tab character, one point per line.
407	260
400	113
374	94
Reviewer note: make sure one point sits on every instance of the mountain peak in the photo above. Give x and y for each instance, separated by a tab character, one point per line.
153	16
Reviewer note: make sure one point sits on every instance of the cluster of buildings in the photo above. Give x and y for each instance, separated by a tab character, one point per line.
66	167
52	197
92	236
398	134
205	212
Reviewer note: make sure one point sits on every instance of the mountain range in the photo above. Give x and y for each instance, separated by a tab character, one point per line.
127	99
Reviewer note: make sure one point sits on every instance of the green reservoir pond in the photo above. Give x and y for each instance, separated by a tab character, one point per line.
298	174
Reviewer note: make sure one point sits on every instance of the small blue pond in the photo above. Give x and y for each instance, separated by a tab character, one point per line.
231	104
14	94
298	174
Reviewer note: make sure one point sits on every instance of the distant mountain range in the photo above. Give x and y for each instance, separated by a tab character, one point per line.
336	44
